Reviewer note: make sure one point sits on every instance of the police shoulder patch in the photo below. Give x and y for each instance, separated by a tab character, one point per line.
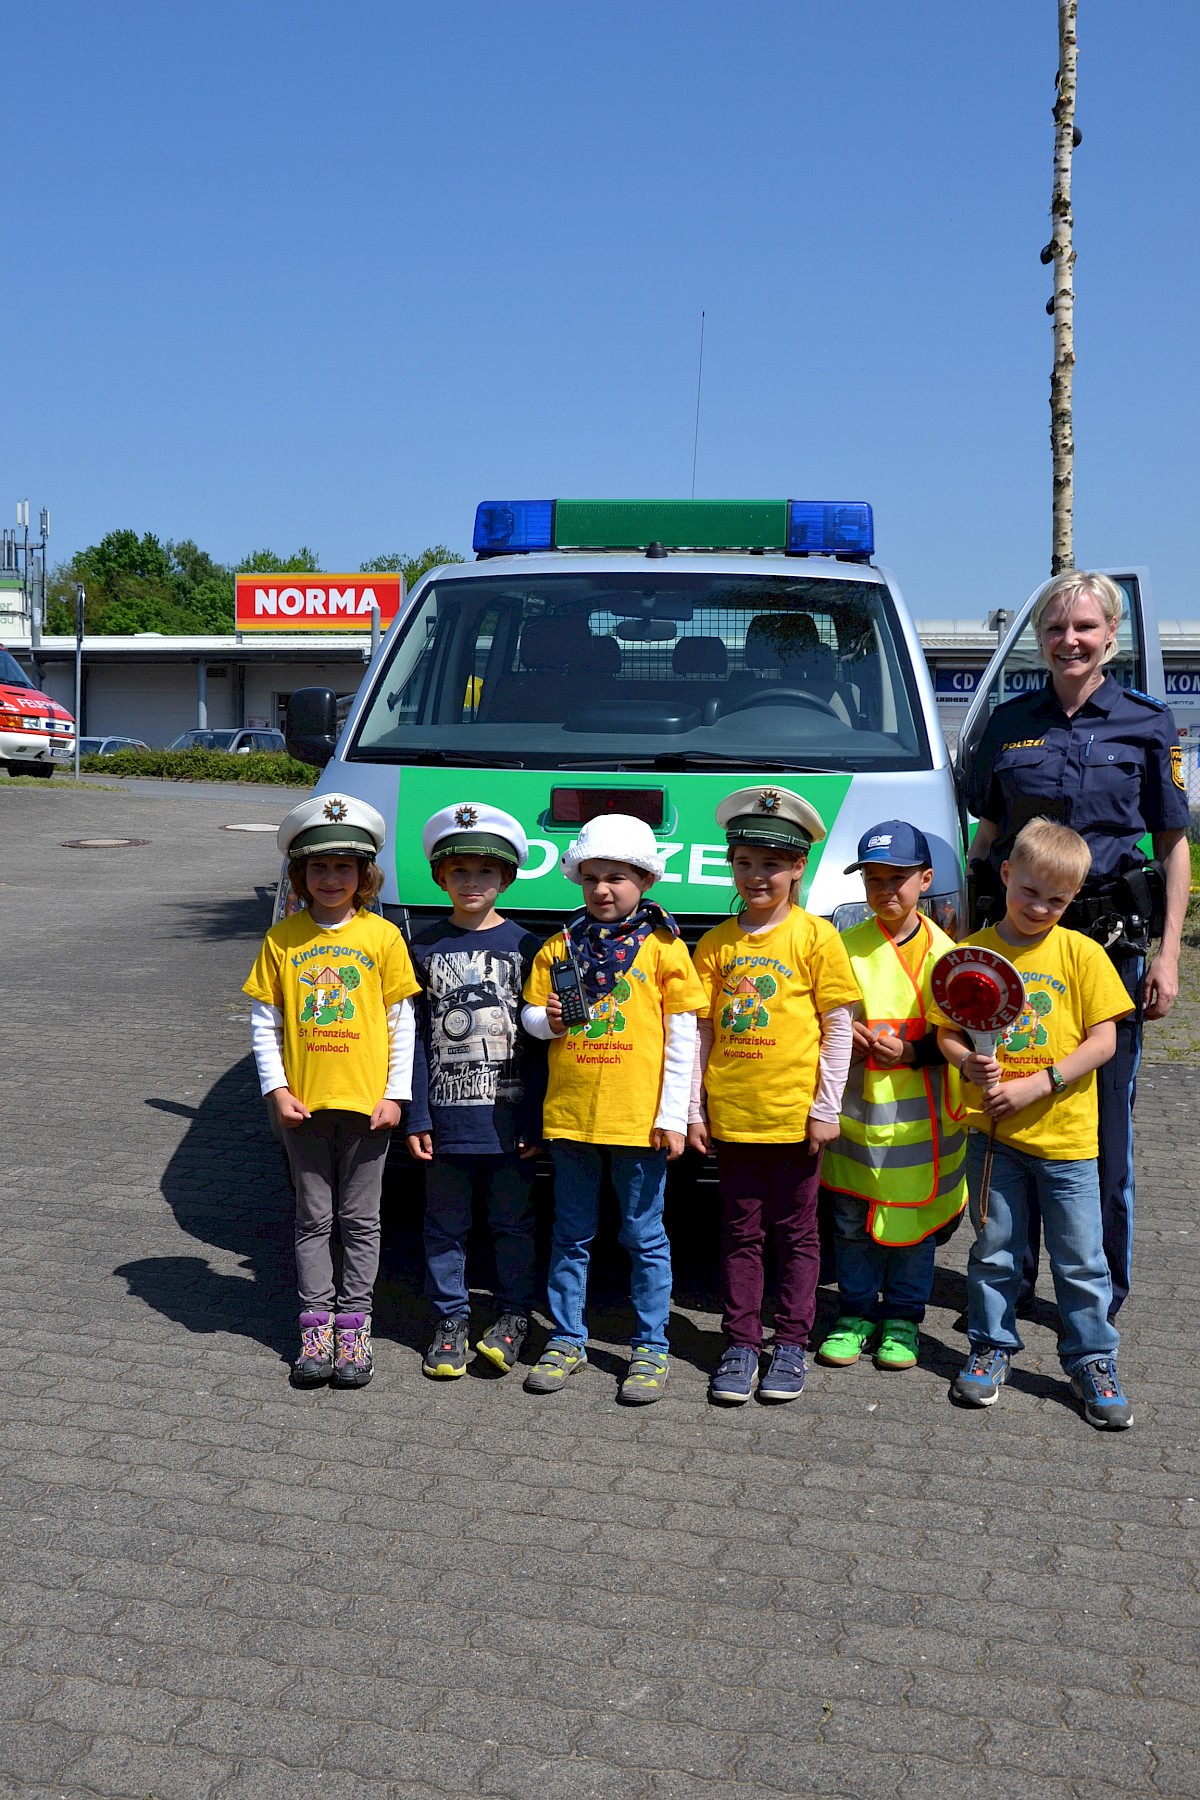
1177	766
1137	694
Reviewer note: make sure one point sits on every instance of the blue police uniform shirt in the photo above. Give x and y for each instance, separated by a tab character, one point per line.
1112	772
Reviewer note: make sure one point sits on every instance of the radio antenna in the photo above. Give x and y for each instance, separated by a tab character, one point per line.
699	379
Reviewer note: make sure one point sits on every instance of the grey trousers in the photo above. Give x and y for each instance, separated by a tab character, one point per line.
337	1166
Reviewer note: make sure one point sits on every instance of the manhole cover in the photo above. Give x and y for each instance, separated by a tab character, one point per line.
250	827
103	843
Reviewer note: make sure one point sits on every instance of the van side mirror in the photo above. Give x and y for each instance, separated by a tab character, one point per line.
312	728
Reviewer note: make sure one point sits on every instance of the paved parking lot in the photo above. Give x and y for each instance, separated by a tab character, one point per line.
213	1585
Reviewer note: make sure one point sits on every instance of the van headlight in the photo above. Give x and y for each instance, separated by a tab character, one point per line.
947	910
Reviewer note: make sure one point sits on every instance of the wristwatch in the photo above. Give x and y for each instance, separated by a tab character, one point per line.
1057	1084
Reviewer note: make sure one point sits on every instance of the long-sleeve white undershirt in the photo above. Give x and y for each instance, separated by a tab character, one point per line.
837	1041
266	1039
679	1055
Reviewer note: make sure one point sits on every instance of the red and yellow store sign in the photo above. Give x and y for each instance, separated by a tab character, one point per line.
295	602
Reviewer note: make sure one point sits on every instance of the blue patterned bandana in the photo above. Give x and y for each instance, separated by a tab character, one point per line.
606	952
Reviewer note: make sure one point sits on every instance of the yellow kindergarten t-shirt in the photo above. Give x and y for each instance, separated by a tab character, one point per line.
333	989
606	1078
765	994
1069	985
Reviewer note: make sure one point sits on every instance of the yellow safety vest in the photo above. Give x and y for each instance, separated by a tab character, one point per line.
902	1139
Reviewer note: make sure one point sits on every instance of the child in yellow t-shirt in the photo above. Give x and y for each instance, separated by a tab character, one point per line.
617	1097
1037	1095
332	1031
774	1049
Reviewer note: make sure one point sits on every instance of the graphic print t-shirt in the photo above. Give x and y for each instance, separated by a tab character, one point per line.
1069	985
765	992
334	989
606	1077
478	1079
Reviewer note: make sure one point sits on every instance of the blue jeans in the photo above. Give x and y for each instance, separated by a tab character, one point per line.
902	1273
640	1179
449	1187
1069	1196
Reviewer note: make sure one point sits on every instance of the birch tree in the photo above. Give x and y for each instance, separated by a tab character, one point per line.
1062	440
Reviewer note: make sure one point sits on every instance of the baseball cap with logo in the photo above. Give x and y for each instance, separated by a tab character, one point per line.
894	842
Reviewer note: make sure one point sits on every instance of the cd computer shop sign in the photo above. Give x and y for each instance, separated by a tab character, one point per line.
302	603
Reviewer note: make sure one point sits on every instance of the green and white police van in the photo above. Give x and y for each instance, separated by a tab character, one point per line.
648	657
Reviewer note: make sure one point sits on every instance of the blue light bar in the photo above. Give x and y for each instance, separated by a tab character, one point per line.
830	528
512	526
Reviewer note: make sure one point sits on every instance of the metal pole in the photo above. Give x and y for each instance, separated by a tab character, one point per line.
80	596
374	628
202	694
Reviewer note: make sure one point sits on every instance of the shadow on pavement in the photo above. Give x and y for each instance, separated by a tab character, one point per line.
233	917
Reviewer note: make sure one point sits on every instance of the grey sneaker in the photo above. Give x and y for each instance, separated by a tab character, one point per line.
647	1377
447	1354
315	1361
353	1364
557	1361
501	1344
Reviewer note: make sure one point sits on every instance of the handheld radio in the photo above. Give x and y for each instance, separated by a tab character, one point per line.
567	983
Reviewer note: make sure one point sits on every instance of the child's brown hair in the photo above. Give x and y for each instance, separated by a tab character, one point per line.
370	879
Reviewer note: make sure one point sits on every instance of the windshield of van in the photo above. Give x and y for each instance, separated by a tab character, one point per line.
11	672
659	670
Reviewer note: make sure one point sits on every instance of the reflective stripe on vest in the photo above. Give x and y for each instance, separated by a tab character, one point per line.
902	1144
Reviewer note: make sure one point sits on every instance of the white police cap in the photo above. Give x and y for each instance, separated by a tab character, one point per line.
614	837
471	829
325	824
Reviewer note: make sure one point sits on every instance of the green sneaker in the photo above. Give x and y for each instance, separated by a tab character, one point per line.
647	1377
847	1341
550	1371
897	1346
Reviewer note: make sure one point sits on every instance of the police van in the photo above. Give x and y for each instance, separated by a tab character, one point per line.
648	657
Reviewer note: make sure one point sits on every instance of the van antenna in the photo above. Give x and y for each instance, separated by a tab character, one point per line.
699	379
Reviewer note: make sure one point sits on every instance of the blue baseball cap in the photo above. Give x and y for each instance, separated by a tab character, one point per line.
894	842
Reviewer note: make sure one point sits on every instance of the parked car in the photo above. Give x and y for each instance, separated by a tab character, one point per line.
239	742
108	746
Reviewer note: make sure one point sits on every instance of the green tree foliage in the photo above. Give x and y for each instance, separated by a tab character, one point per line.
411	567
146	584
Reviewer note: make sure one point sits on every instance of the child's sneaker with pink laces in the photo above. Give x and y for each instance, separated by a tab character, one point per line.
315	1361
352	1363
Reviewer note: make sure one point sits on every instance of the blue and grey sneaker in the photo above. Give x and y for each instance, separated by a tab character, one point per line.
733	1382
784	1379
1104	1404
981	1377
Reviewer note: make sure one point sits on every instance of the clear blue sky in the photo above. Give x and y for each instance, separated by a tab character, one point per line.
283	273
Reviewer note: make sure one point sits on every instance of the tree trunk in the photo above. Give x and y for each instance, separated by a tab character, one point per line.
1062	442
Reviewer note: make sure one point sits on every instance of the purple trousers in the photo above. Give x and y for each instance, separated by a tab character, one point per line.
768	1188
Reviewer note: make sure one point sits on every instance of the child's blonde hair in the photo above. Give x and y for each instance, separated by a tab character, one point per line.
1052	851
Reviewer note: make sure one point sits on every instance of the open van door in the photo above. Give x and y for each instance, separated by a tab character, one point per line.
1017	666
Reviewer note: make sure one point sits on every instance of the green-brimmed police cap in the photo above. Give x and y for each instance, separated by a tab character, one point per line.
771	816
472	829
329	824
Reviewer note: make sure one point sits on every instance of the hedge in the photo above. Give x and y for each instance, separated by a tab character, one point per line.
265	766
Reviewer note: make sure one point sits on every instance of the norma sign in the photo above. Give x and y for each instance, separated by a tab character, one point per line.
296	602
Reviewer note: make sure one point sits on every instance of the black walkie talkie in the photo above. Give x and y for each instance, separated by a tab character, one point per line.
567	983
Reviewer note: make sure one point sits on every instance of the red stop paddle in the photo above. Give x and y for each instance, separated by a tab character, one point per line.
982	994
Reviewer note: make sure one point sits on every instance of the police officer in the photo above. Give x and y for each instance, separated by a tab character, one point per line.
1105	761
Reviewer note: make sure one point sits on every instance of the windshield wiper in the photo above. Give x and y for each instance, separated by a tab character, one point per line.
686	759
461	759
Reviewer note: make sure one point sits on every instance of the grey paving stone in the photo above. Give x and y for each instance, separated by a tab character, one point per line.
1070	1755
519	1776
20	1691
642	1744
374	1751
38	1753
121	1769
